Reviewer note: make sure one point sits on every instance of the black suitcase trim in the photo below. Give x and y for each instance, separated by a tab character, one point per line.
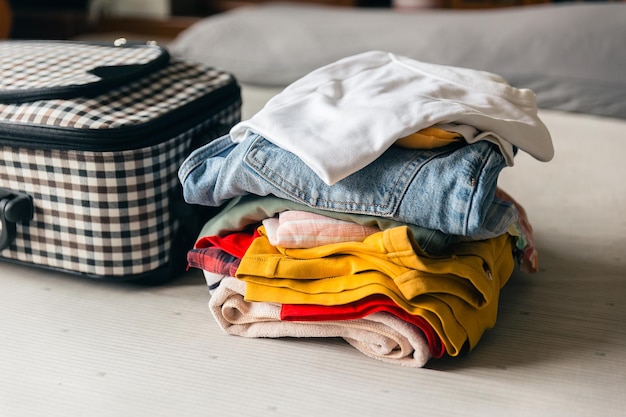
139	114
39	70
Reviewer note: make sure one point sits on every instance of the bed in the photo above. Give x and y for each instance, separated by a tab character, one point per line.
74	347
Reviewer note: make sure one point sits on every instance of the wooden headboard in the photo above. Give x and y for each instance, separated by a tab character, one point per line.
5	19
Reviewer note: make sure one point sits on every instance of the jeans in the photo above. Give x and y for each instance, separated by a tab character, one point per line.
450	189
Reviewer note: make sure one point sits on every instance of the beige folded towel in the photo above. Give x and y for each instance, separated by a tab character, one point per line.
381	335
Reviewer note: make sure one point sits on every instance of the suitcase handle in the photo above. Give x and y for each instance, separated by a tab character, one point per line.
15	207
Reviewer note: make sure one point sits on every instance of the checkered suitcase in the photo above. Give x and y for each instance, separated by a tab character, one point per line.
91	138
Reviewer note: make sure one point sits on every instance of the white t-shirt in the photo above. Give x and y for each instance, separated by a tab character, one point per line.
341	117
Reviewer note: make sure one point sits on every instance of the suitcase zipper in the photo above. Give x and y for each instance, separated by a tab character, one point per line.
125	137
110	76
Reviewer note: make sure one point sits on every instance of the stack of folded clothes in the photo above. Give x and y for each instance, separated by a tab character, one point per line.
362	202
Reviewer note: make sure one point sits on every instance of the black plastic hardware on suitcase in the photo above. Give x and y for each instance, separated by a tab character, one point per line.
91	138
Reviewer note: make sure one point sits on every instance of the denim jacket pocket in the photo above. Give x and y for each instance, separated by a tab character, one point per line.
377	189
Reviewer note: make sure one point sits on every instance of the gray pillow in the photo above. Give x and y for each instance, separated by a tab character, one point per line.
572	55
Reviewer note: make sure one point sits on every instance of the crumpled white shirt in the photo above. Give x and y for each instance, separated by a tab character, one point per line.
341	117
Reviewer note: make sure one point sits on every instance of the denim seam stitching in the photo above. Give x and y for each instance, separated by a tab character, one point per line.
476	176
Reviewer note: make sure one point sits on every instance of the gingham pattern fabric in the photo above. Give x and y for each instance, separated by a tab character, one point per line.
27	65
104	214
103	211
134	104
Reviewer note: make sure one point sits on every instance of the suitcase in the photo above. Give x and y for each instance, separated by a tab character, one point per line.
91	139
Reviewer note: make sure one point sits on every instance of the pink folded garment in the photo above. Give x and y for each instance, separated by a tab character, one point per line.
381	336
301	229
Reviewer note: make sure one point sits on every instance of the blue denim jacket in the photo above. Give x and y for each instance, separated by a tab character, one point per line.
449	189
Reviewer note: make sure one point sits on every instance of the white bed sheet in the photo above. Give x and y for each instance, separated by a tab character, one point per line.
75	347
